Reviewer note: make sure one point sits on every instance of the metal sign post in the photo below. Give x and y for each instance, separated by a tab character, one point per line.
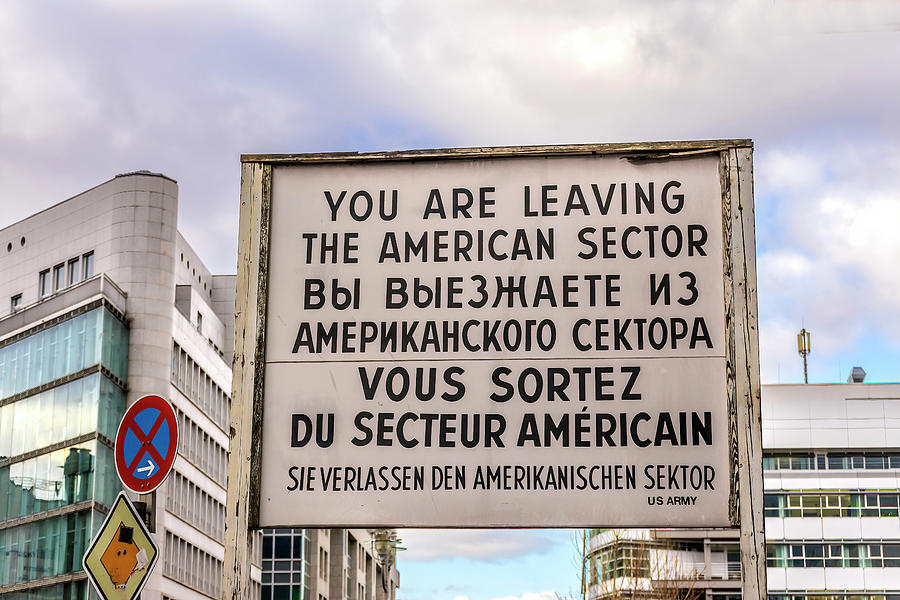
122	554
457	338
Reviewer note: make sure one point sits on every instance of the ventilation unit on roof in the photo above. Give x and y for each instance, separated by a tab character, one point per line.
857	375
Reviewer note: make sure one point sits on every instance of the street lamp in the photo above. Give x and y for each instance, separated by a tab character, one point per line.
385	545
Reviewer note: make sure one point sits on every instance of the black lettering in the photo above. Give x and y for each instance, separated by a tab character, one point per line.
365	432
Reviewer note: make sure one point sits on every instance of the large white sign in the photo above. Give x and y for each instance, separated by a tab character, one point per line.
520	341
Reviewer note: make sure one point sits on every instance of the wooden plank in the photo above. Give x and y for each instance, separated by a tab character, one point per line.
248	365
661	149
730	381
746	375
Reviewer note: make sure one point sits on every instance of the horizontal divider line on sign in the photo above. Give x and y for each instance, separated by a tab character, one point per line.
470	359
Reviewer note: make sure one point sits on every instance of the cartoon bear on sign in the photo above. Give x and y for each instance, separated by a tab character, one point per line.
121	557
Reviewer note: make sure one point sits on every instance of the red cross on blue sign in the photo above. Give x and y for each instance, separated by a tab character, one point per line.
146	444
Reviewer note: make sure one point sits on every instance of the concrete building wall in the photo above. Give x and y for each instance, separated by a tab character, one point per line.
831	416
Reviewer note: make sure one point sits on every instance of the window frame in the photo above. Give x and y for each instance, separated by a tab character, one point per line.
87	268
44	284
73	271
59	277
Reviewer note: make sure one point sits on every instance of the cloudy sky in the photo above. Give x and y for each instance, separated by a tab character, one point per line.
92	89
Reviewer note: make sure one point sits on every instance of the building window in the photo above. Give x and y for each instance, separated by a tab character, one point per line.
822	461
323	563
191	566
833	554
285	564
201	450
832	504
15	302
78	269
44	283
64	477
196	384
75	343
623	558
88	265
27	548
59	277
199	322
74	274
195	506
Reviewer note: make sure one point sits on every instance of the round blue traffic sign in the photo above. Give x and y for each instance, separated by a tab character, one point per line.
146	444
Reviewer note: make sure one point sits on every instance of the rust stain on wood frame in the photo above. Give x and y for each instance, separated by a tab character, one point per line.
730	381
634	148
248	365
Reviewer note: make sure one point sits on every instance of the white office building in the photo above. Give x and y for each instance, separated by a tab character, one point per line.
104	302
832	481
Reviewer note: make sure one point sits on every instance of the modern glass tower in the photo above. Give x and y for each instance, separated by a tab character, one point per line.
62	393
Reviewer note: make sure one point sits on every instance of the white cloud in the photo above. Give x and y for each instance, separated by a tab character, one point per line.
105	87
474	544
833	266
781	169
92	90
531	596
528	596
42	99
781	264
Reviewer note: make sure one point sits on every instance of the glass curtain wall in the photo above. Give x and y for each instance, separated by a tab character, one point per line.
285	565
64	349
58	411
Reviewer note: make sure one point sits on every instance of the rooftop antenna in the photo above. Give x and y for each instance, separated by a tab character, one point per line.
803	347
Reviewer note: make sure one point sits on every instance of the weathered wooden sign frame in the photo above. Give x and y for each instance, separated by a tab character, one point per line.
741	351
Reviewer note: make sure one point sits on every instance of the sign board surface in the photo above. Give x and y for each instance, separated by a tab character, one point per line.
146	444
511	341
122	555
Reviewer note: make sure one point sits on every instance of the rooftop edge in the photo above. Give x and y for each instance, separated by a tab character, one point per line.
147	173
